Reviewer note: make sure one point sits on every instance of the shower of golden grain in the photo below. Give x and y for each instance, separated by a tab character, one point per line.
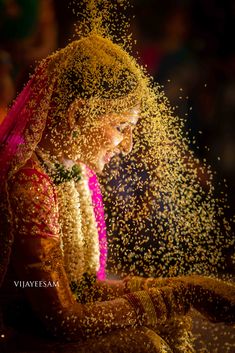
163	217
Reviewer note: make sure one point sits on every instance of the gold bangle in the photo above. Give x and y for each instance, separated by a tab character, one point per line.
159	304
143	305
148	307
134	284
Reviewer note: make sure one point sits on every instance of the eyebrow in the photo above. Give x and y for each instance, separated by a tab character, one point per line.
127	122
126	119
133	124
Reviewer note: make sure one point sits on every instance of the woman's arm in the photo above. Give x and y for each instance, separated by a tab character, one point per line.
40	261
37	256
213	297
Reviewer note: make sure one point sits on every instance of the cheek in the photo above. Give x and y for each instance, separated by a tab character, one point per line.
112	137
101	139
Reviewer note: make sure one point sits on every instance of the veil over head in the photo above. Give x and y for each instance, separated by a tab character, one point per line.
20	133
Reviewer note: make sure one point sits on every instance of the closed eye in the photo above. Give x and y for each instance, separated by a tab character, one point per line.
122	127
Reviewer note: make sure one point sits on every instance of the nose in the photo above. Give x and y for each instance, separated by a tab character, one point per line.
127	143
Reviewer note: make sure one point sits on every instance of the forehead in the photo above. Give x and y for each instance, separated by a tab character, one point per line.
131	116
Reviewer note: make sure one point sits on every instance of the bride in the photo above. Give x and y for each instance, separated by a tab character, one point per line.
79	110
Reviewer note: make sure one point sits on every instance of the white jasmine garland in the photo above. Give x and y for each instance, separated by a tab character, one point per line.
80	239
89	225
71	227
79	232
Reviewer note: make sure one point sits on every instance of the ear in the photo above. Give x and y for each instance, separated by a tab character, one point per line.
73	112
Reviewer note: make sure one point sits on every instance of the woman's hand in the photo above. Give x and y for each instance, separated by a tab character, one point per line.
214	298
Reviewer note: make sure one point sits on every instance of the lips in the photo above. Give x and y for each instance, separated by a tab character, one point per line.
108	156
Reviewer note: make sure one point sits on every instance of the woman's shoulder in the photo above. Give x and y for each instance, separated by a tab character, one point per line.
33	201
31	174
30	181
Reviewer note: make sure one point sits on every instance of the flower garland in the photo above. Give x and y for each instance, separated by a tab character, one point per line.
89	225
79	238
72	240
61	174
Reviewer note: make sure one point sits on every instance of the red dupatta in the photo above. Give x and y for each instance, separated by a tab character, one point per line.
20	132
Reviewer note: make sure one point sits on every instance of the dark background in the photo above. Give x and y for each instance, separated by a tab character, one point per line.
188	47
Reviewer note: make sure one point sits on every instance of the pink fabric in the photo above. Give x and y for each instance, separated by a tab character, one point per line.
13	127
100	220
14	131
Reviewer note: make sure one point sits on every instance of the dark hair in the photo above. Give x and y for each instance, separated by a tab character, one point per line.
94	67
103	86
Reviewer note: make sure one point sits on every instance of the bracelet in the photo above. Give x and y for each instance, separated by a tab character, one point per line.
134	284
143	306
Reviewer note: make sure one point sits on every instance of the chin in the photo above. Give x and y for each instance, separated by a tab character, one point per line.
99	169
96	167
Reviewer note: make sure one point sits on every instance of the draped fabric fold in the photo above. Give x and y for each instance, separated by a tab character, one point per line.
20	133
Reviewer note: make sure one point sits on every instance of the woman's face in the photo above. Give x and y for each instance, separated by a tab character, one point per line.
111	135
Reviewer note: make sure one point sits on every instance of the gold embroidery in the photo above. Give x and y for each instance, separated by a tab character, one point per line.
32	198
